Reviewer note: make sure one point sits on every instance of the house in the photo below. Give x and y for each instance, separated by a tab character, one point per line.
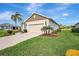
7	26
35	22
75	28
77	25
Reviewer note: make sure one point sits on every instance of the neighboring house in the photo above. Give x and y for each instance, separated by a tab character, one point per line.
76	25
36	22
7	26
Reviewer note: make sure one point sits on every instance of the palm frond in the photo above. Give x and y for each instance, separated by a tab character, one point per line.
18	14
16	17
19	19
12	16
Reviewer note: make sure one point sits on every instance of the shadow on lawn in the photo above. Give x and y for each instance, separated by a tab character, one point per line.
75	34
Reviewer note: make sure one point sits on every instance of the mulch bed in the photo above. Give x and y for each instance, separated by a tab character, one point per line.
51	35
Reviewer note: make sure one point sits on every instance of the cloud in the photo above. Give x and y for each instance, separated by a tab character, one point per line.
65	14
58	9
36	7
63	4
33	7
6	15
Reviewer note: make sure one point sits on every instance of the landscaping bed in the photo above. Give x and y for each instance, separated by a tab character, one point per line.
50	35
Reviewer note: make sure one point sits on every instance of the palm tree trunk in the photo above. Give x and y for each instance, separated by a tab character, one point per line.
48	31
15	25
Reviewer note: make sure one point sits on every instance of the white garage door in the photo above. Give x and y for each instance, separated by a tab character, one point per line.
35	27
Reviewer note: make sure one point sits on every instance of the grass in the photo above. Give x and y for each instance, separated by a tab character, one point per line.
7	32
2	33
42	45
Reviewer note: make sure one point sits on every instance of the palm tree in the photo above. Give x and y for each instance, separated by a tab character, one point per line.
16	17
44	29
49	28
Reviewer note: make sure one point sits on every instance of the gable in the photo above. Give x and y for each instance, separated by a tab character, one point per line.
35	17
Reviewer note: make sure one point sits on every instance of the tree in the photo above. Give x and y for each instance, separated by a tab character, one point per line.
44	29
16	17
47	29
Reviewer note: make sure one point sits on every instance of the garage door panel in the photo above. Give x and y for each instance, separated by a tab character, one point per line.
35	28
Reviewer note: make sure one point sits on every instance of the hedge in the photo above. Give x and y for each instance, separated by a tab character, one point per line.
75	30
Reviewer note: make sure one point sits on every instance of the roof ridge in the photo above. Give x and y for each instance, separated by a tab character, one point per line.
41	15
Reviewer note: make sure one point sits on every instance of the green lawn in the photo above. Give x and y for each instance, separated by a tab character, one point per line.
2	33
55	46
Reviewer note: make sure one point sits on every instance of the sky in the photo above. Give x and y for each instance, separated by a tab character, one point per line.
62	13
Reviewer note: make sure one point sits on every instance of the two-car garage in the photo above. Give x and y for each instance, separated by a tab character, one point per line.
35	27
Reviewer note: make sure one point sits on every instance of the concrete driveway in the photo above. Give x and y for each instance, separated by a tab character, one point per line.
12	40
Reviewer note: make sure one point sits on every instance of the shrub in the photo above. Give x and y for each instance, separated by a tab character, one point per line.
44	29
56	31
24	31
50	29
59	30
47	29
72	52
75	30
9	32
15	31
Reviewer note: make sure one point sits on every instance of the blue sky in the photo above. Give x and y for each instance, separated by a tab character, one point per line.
62	13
